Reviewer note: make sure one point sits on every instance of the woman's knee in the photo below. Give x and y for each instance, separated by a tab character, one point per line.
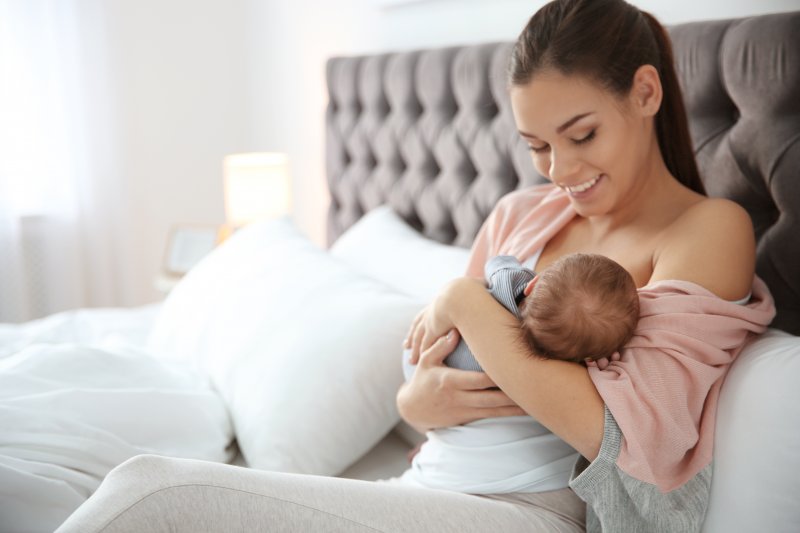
128	483
140	469
142	475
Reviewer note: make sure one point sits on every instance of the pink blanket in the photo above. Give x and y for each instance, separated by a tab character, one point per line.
663	391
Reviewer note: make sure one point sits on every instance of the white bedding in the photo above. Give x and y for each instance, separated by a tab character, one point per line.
79	393
78	396
99	325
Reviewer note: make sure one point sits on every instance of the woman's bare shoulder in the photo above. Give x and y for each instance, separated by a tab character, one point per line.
712	244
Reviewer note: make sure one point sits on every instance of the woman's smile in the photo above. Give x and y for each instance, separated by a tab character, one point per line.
583	190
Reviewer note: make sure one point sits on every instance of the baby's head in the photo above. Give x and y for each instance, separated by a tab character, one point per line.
582	306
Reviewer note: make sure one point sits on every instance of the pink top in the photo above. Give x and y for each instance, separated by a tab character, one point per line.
663	391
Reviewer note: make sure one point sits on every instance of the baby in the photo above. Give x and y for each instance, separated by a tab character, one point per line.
582	307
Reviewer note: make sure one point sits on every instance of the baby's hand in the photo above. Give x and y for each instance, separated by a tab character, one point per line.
603	362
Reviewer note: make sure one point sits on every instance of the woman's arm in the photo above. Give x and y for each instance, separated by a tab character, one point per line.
700	247
558	394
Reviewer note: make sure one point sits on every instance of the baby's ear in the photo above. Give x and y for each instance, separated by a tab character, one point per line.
529	286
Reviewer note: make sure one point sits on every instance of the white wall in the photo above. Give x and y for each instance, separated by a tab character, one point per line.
180	89
198	79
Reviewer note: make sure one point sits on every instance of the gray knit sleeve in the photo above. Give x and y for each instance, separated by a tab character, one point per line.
620	503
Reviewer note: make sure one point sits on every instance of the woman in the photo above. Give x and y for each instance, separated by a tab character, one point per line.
595	96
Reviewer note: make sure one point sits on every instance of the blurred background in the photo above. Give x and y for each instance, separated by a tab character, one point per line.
116	115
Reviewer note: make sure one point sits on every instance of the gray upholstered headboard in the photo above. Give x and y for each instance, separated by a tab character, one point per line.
431	133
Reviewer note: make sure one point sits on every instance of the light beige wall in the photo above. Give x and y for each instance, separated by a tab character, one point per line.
197	79
180	78
293	39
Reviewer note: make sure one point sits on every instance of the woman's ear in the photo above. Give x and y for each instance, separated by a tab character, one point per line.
646	91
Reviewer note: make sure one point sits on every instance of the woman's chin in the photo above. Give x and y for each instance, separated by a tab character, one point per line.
586	210
592	201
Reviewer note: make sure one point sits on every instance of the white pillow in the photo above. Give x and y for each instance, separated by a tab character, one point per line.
755	485
304	350
383	246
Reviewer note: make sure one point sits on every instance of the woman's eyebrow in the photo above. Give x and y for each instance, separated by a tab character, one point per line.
562	127
572	121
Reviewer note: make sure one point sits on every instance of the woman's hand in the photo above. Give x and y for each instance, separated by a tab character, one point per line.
421	334
438	396
431	323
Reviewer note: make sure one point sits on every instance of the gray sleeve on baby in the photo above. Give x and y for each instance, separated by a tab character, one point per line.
506	279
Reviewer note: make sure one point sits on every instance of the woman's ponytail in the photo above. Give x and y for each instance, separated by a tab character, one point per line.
672	126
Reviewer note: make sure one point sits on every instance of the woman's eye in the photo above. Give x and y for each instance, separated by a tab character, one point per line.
546	147
538	149
586	139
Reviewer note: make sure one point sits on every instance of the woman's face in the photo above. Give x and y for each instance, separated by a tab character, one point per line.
584	139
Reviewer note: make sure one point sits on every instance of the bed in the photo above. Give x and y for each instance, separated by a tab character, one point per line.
274	353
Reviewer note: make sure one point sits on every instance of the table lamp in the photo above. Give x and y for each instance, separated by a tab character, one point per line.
256	187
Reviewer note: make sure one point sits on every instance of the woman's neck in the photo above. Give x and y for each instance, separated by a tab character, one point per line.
653	198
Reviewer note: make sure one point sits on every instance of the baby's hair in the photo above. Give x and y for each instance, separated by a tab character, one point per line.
582	306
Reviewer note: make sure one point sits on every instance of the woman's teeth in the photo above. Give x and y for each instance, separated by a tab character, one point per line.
585	186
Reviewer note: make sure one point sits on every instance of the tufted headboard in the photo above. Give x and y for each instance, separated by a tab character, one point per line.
430	132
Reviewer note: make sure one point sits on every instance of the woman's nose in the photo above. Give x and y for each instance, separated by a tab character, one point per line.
562	167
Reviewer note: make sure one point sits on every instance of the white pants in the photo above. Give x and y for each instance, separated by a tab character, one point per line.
151	493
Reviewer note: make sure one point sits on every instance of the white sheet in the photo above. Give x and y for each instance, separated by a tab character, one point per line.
120	325
71	411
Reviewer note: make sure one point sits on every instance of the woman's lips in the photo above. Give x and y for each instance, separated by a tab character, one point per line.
581	190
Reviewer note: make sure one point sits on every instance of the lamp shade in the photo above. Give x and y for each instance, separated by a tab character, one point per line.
256	187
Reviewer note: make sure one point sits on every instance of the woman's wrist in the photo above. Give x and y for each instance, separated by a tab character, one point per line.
404	404
455	294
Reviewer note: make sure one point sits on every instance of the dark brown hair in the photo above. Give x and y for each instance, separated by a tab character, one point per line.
582	306
607	41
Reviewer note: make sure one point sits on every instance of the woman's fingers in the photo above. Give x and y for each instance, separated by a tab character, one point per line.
439	350
488	399
427	341
414	324
468	380
416	342
478	405
496	412
438	396
467	415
